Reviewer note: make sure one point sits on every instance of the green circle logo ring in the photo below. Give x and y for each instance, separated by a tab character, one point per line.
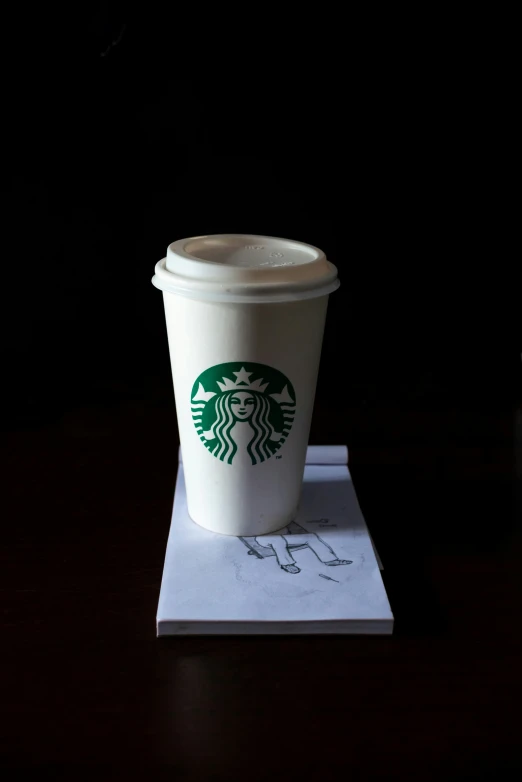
243	406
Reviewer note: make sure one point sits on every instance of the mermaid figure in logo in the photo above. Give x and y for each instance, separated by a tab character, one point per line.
234	406
240	403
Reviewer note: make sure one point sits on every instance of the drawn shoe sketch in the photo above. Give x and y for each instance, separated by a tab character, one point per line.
291	568
335	562
290	539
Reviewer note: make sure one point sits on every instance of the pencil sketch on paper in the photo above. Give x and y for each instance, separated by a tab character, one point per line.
322	575
286	542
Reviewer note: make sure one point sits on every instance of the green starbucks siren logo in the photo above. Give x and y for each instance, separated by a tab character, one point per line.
243	410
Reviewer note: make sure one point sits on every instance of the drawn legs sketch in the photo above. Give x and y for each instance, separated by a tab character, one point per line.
291	539
283	547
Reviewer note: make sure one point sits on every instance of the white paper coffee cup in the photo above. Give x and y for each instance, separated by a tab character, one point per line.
245	321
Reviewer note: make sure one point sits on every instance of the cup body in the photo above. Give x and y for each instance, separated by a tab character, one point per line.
244	378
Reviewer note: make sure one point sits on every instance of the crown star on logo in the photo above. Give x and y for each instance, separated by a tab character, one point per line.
242	382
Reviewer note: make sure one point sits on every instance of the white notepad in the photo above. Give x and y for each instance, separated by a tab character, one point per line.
317	575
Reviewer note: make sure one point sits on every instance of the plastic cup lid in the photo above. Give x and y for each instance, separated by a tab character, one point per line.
245	268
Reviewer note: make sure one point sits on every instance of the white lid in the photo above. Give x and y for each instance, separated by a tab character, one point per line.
245	268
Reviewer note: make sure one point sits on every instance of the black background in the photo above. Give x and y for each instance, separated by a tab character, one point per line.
117	144
119	140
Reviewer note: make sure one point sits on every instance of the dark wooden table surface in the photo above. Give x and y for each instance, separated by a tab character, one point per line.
88	692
